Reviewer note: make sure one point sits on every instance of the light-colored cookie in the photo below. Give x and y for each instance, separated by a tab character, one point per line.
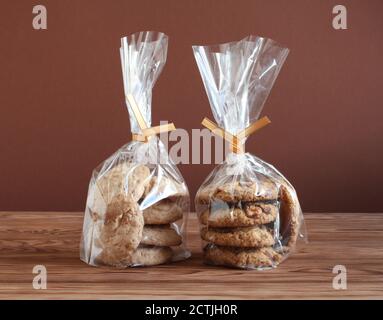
121	231
252	213
290	216
151	255
246	237
115	257
163	212
262	258
124	178
261	189
142	256
160	236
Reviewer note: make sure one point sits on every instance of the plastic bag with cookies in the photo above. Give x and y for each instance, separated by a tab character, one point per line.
138	201
249	213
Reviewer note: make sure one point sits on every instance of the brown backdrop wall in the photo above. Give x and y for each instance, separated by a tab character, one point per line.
62	100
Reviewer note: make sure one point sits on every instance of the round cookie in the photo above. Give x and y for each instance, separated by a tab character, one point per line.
138	179
142	256
124	178
251	214
263	258
290	215
151	255
160	236
260	189
121	231
163	212
254	237
115	257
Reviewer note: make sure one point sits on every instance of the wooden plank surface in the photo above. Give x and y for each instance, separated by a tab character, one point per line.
52	238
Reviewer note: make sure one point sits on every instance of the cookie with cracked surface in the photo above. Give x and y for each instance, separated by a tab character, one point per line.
261	189
160	236
250	214
163	212
247	237
263	258
130	179
121	231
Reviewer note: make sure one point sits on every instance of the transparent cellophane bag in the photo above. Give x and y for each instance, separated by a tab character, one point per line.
137	203
249	214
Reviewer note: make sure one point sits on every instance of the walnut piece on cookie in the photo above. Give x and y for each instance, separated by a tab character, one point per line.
246	237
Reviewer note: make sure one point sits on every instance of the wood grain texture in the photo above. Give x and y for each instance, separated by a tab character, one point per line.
52	239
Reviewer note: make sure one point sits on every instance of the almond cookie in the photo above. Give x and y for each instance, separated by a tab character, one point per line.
124	178
121	231
160	236
151	255
261	189
251	213
246	237
263	258
163	212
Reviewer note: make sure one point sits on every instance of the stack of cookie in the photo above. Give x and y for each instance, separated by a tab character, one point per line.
247	224
160	231
120	234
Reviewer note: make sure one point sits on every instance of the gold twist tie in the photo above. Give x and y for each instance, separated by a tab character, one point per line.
236	141
147	132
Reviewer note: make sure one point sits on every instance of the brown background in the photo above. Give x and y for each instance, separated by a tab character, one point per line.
62	100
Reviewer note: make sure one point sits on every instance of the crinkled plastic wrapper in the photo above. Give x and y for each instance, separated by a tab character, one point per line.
137	204
249	214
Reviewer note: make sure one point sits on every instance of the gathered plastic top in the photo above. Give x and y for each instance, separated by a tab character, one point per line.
238	77
143	56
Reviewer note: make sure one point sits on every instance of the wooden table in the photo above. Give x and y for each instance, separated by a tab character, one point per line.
52	238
